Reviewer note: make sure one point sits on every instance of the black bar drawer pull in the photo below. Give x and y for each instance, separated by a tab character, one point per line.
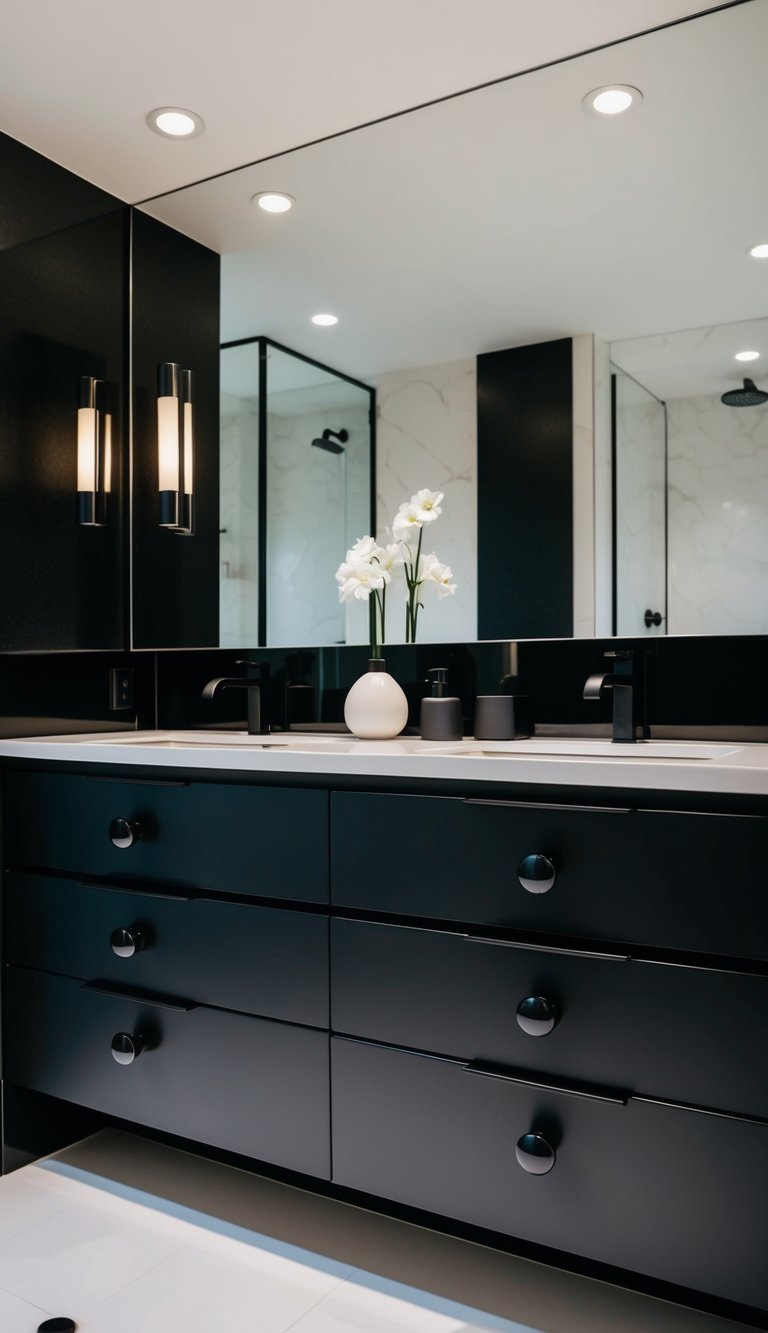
176	1005
537	1015
125	941
127	1047
534	1154
124	833
141	891
536	873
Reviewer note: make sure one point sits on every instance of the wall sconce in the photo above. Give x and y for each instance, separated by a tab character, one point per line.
175	448
94	452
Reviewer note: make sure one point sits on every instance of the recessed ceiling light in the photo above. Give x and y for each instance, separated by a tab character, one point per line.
759	251
272	202
324	320
746	356
612	99
174	122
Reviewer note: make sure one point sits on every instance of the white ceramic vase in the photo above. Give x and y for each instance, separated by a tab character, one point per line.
376	708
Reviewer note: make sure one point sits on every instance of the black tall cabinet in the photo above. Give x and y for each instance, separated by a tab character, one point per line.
91	288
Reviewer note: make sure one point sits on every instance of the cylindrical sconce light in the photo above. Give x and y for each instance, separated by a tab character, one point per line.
175	447
94	453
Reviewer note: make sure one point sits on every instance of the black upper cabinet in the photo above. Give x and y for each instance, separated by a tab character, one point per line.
64	294
175	317
90	287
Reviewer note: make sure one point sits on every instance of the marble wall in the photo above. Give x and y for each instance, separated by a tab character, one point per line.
318	504
640	509
239	519
426	436
718	517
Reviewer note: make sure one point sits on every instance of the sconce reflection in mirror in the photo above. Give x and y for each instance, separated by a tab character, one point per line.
175	448
94	451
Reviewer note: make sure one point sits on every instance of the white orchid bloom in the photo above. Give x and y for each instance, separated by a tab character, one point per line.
359	578
406	522
363	548
426	505
389	556
432	571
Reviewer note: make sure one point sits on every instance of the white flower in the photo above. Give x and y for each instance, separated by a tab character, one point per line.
359	578
389	556
364	547
427	505
406	522
432	571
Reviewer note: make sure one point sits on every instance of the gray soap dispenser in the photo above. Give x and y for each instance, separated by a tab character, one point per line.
441	718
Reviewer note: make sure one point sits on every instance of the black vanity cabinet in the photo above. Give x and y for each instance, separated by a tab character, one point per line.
162	961
539	1018
550	1021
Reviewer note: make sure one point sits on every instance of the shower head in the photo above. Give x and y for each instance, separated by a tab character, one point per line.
749	396
328	441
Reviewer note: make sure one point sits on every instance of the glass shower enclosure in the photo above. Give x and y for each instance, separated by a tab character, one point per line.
297	469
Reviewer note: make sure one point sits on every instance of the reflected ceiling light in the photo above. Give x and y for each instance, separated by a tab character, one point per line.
325	321
273	202
174	122
759	251
746	356
612	99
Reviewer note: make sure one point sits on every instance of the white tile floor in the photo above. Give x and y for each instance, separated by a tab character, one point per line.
126	1236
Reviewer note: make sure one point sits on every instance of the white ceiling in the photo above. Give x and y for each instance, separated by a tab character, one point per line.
694	362
510	216
77	79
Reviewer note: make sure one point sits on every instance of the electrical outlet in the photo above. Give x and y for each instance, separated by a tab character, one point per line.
120	688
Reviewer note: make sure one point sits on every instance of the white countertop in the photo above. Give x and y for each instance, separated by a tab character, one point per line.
738	768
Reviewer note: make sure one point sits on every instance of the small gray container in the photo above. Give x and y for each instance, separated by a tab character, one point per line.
503	717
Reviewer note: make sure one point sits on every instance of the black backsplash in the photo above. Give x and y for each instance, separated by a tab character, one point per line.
694	683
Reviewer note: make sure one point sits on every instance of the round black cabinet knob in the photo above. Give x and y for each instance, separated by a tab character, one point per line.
537	1015
534	1154
536	873
126	941
126	1047
124	832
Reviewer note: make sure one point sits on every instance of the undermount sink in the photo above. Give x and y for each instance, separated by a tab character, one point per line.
544	745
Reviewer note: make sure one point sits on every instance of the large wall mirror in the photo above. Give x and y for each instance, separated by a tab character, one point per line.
512	216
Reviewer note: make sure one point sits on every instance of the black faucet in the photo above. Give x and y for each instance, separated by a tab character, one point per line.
628	695
255	725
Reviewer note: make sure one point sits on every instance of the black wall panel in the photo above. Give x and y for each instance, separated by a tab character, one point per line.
525	492
64	316
175	285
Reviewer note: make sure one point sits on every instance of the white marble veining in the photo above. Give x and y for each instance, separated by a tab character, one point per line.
718	517
427	437
743	770
640	507
239	519
317	505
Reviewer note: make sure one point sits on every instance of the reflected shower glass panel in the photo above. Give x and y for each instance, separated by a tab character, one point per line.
318	499
239	498
640	508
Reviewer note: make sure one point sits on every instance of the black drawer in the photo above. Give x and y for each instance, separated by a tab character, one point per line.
675	1194
684	1034
680	881
245	1084
255	840
261	960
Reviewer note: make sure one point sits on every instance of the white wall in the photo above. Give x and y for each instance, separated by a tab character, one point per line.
426	436
239	515
718	517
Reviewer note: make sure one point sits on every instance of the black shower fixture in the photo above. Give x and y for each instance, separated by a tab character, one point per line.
332	441
749	396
